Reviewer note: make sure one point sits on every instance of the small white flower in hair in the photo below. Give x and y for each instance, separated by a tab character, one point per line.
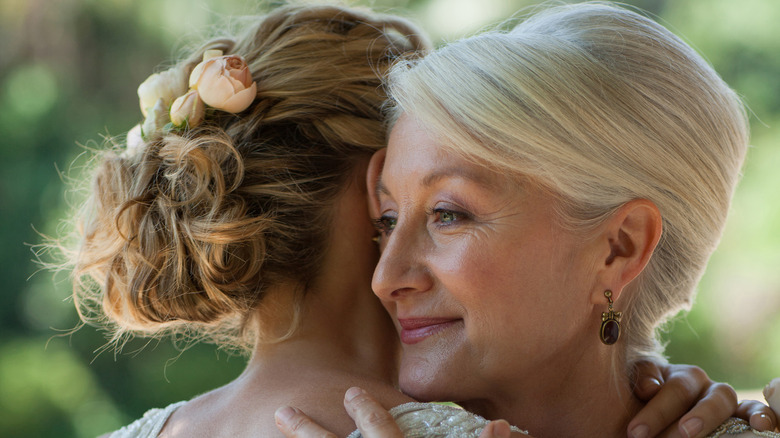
134	141
167	85
156	119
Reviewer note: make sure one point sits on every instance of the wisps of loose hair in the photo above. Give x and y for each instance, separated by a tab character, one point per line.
196	234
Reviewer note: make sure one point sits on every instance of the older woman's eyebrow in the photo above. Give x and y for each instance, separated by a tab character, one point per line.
434	177
466	173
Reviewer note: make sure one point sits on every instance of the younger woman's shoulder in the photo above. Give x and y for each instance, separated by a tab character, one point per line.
149	425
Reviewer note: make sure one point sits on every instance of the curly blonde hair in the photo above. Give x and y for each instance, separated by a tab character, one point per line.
188	234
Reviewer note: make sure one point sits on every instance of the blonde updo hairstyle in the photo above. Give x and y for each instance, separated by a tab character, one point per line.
598	105
188	234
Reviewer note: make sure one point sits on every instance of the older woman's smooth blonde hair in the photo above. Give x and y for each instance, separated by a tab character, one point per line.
191	233
601	106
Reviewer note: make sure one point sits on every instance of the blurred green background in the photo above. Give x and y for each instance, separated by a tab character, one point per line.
68	74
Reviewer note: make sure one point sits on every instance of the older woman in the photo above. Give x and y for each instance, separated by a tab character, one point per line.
548	197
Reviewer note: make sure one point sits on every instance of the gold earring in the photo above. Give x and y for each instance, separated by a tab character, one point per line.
610	323
376	238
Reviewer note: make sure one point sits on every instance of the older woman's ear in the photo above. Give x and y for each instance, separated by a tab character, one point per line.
372	180
630	236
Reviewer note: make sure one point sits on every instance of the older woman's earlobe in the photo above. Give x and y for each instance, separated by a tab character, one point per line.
372	181
632	234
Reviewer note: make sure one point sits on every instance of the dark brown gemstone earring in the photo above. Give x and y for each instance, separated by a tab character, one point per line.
610	323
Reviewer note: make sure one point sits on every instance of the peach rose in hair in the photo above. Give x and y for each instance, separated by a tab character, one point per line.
224	82
188	109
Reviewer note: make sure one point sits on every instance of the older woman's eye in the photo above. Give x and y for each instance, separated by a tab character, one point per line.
385	224
448	217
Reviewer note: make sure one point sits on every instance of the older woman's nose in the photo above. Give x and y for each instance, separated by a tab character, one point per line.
401	269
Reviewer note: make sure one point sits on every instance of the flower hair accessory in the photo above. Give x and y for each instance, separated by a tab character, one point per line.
221	82
224	82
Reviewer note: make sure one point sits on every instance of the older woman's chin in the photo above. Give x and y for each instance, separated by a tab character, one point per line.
425	382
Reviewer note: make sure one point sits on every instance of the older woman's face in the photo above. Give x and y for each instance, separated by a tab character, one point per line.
483	286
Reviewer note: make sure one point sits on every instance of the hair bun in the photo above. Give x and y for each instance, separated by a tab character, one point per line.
190	250
189	229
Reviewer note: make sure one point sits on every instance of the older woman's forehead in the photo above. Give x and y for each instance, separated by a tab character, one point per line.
411	144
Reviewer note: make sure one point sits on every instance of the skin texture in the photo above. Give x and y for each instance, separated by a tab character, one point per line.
462	246
345	338
476	270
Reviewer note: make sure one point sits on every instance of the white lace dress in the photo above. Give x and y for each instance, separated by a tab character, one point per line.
417	420
148	426
431	420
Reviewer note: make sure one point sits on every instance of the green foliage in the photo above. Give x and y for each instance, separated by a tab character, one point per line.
68	74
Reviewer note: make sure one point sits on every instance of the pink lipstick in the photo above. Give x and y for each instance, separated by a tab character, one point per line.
414	330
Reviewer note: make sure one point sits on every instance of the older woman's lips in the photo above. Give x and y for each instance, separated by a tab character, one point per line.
414	330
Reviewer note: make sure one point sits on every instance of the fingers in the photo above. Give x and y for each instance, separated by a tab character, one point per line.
683	385
758	414
717	405
373	420
647	380
496	429
295	424
501	429
678	393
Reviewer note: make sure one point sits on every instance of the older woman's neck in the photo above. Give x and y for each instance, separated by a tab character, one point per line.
579	397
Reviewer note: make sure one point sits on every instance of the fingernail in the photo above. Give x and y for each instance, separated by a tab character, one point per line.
640	431
285	414
769	422
352	393
692	426
762	422
501	429
769	390
651	383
